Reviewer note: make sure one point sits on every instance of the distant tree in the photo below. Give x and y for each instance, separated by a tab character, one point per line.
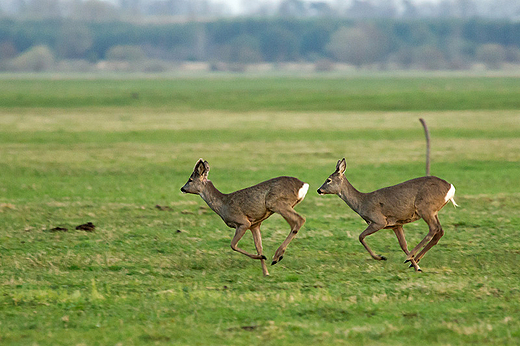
7	50
358	45
314	40
457	51
403	58
126	53
429	58
279	44
493	55
73	41
36	59
512	54
244	49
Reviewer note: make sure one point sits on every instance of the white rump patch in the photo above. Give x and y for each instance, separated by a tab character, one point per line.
303	191
450	195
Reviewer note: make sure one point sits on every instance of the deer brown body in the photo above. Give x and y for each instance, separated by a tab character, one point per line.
248	208
394	206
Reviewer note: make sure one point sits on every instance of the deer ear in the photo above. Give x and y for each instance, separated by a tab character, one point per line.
200	167
206	168
341	166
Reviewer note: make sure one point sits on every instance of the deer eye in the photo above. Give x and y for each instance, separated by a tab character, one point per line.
329	180
190	180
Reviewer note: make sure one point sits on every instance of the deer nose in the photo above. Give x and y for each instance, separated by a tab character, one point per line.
319	192
182	190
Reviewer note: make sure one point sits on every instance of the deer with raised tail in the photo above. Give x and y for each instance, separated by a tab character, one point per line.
246	209
392	207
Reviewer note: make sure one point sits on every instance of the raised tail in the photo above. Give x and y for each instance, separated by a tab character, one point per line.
450	196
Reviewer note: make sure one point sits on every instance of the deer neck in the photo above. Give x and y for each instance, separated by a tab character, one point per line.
213	197
351	196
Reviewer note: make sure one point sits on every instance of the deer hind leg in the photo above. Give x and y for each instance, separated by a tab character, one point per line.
432	242
257	237
399	233
371	229
294	220
239	233
434	228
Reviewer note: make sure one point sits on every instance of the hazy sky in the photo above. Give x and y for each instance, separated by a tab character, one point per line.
239	5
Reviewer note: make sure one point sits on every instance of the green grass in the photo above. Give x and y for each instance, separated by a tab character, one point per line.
243	94
148	276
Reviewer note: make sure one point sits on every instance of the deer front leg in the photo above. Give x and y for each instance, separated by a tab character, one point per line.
257	237
399	233
296	221
372	228
239	233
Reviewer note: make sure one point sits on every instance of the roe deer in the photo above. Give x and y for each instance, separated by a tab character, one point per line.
392	207
248	208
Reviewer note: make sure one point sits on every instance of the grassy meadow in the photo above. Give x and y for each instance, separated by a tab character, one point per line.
158	269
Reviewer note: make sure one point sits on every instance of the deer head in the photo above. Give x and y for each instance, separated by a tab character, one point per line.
333	183
198	178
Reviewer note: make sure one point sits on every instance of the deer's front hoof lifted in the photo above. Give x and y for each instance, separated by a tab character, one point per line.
263	257
380	258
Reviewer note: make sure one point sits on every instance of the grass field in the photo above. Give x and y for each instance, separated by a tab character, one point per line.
109	151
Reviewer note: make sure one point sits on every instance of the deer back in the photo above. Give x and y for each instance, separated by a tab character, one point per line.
268	196
405	202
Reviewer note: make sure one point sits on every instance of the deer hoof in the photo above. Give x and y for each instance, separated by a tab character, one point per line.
263	257
382	258
275	261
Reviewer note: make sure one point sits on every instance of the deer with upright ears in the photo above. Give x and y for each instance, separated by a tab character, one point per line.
248	208
392	207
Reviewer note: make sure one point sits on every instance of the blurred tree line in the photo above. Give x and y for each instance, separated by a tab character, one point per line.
44	44
138	9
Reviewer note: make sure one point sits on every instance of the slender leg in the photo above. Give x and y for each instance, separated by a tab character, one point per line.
296	221
239	233
399	233
257	237
372	228
434	228
433	242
